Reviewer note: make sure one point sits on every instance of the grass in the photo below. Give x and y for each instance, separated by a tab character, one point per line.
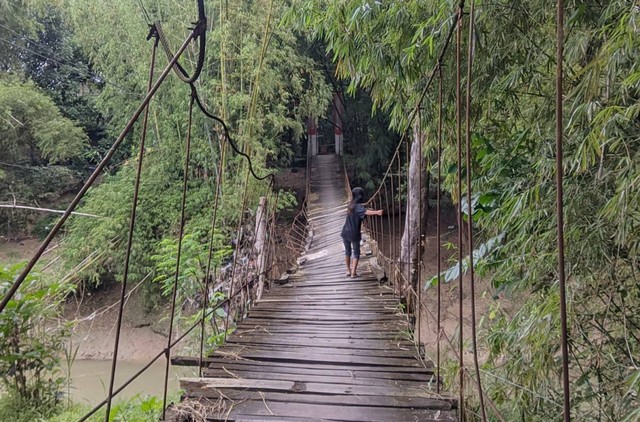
136	409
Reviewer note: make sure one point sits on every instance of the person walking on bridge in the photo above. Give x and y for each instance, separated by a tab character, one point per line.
351	235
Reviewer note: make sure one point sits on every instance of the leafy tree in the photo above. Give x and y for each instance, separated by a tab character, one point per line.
35	134
257	78
15	24
34	130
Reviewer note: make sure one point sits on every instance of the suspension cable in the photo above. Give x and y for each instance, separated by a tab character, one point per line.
132	224
210	255
474	336
459	187
560	212
98	170
438	232
201	35
174	295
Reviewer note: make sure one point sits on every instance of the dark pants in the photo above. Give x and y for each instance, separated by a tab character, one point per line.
351	245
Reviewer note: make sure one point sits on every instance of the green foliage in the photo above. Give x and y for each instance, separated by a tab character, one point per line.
14	20
31	342
264	95
136	409
387	48
193	264
33	128
16	409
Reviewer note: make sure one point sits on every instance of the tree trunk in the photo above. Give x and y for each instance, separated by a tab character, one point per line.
259	247
416	212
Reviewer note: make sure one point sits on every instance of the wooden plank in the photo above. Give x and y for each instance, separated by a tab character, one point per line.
233	369
323	366
323	358
311	325
351	334
342	413
373	401
324	342
243	349
398	373
194	385
348	380
322	317
292	306
265	418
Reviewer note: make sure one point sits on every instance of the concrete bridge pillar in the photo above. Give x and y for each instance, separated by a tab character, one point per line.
338	114
312	136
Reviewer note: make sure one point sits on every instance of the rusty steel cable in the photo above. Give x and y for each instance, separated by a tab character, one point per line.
438	231
420	233
459	187
132	224
201	36
210	254
96	173
174	293
228	137
560	212
474	336
236	252
407	220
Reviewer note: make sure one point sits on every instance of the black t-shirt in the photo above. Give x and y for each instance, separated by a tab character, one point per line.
351	228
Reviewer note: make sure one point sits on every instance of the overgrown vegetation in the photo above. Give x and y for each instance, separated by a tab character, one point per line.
71	77
72	73
32	342
389	48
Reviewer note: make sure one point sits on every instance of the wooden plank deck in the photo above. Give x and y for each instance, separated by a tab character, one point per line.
324	347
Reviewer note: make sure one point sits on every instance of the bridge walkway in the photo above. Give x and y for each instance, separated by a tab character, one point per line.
323	346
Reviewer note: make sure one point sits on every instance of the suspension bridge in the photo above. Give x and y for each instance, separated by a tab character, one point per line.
313	344
323	346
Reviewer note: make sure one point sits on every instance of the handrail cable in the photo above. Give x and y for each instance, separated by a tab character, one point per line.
98	170
469	169
438	232
560	211
210	254
132	224
459	187
174	293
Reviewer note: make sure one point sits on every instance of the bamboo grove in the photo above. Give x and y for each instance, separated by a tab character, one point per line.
388	49
272	64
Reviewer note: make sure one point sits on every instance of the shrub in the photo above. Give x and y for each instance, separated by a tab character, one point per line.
32	341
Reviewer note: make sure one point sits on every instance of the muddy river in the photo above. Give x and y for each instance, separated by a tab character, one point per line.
90	379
